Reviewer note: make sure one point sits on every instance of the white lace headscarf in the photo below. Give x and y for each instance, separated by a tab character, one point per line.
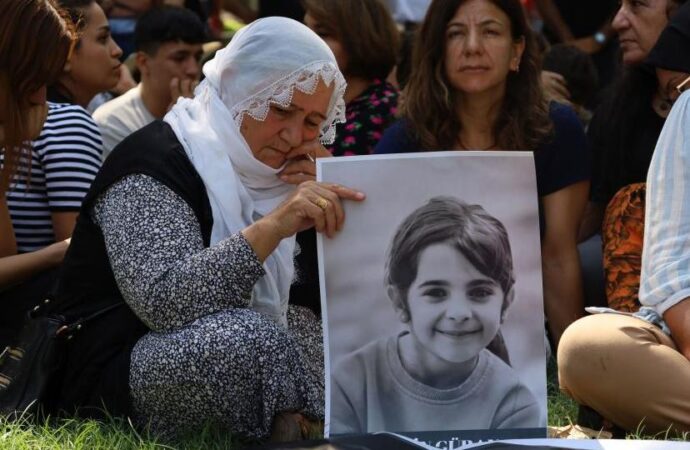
263	65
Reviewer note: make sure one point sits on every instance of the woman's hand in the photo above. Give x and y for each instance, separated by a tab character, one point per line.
316	205
313	204
555	87
301	164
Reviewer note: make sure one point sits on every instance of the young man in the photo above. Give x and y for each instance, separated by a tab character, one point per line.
169	47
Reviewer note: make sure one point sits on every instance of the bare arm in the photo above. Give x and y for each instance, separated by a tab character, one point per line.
63	224
17	268
591	221
563	297
8	243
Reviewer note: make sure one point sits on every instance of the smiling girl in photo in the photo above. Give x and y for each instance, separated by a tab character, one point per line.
449	275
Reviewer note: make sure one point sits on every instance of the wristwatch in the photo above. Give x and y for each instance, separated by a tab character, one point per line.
600	38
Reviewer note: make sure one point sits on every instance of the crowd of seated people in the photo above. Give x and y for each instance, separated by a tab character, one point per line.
196	171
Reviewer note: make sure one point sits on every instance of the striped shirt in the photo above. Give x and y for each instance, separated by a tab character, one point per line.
665	278
64	161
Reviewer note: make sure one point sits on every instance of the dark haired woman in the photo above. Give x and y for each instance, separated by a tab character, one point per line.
67	153
475	86
35	41
366	47
94	66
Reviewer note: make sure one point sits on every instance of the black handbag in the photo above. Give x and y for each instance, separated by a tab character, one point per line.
29	366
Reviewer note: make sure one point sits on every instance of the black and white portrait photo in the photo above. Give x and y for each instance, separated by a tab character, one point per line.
431	295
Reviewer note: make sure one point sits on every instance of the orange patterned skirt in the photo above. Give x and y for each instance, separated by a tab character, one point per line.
622	233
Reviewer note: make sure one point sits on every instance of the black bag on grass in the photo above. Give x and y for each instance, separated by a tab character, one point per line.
30	367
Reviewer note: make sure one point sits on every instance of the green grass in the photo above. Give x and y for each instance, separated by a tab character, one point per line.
72	434
561	408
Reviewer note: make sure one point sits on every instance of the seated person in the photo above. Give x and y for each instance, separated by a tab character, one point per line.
366	47
168	42
451	285
623	224
26	256
475	86
197	235
634	370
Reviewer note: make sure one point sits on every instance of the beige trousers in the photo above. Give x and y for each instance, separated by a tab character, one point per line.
628	371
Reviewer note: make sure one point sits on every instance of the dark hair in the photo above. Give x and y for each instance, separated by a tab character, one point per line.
480	237
366	31
577	68
76	9
429	106
167	24
619	120
35	41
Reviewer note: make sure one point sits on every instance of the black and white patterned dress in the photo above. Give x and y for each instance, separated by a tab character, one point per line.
209	358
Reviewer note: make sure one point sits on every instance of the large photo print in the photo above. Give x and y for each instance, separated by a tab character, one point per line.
432	298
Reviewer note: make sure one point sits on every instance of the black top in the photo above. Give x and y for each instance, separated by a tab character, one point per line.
97	362
614	167
559	162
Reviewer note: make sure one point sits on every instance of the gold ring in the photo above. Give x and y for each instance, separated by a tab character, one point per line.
321	203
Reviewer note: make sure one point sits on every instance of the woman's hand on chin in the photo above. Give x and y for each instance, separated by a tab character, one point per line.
301	162
313	204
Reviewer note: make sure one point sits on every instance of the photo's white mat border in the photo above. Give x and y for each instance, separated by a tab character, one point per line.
503	182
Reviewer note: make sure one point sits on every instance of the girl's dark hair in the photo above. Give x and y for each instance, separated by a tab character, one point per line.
365	29
479	236
429	106
35	41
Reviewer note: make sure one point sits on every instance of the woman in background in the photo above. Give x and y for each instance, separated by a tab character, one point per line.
366	47
475	86
35	42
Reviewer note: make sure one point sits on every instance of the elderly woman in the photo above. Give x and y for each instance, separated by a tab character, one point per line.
475	86
192	221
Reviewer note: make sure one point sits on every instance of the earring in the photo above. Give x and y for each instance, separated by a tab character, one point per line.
517	65
403	315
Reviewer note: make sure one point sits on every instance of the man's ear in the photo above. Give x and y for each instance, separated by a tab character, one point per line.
142	61
398	303
507	301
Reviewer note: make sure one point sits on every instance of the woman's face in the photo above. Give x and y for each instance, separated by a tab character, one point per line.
329	38
287	128
480	51
95	65
639	24
35	115
454	310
